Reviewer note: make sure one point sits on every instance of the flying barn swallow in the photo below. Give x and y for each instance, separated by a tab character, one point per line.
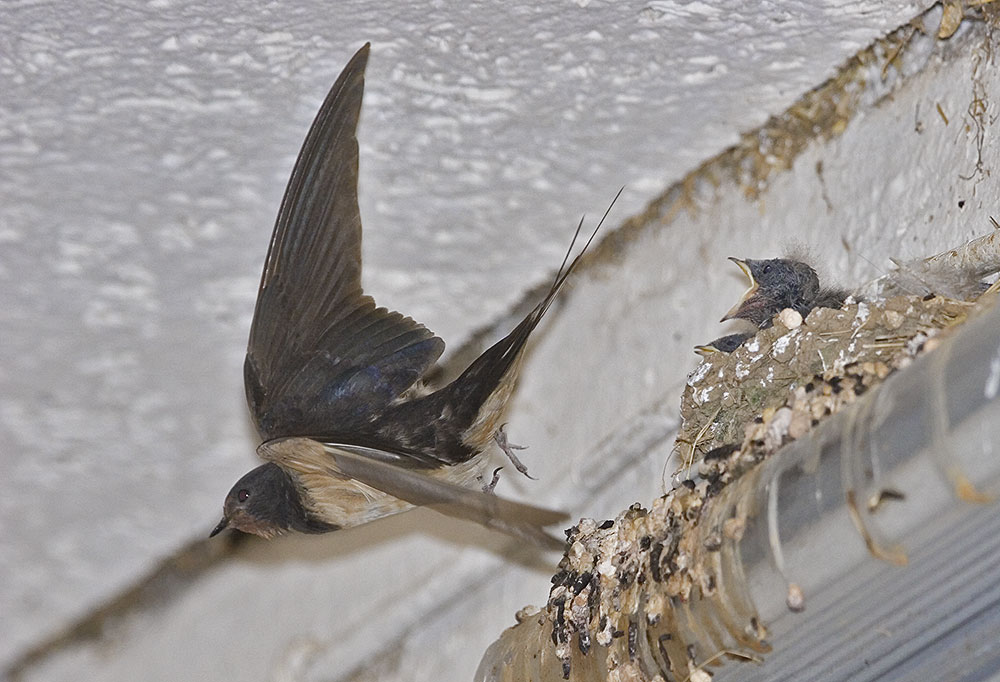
779	283
333	381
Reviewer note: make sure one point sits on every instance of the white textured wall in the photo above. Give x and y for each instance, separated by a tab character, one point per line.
143	151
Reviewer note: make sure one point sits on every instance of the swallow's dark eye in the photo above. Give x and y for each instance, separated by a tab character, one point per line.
767	268
243	495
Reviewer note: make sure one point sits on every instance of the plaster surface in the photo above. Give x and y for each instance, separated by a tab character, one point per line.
144	147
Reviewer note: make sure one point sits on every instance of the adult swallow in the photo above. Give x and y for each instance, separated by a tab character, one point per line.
776	284
333	381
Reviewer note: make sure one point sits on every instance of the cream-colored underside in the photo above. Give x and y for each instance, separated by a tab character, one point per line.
339	499
492	412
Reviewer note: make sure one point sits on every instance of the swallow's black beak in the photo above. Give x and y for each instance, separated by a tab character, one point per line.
221	527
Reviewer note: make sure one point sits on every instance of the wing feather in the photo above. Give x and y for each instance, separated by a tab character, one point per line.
314	331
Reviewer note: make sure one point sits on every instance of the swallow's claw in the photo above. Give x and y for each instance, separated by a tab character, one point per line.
500	437
491	486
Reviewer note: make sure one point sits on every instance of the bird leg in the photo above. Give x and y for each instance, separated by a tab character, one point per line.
491	486
500	438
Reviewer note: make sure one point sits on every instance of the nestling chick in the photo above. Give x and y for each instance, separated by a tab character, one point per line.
779	283
723	344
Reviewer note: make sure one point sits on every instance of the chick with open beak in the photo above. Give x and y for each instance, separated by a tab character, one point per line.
776	284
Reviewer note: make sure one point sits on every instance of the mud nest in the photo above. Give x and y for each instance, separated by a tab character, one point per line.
638	596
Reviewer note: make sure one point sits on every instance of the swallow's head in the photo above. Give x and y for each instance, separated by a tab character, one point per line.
775	284
724	344
267	502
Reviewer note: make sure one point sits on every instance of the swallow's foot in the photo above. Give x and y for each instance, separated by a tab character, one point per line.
500	437
491	486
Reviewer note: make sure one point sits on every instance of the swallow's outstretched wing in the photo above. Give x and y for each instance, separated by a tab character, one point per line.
320	351
396	475
475	402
